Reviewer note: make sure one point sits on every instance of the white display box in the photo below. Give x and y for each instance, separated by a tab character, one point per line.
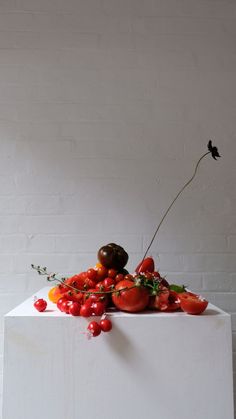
151	366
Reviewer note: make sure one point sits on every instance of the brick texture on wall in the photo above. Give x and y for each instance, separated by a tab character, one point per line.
105	107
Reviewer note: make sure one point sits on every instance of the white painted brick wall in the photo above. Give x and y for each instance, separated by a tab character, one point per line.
105	106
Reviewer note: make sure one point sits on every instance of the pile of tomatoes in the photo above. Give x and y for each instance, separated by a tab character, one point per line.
95	291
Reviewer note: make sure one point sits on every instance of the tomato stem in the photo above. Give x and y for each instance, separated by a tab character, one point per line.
172	203
51	277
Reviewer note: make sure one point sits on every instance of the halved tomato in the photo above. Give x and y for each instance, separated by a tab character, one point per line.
192	303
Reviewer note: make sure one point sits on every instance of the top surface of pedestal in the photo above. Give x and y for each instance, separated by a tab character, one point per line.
27	309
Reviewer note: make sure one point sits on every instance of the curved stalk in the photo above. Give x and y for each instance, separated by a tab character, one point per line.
172	203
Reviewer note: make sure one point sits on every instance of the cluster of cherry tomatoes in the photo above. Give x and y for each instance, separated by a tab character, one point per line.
92	292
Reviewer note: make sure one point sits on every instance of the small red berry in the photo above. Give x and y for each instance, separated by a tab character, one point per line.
40	304
94	328
106	325
98	308
86	310
74	309
65	306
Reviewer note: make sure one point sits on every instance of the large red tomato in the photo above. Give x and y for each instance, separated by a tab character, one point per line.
132	300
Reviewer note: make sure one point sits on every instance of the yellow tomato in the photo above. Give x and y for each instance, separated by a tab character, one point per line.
54	294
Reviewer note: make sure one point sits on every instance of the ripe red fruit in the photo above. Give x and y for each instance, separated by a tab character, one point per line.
60	301
119	277
74	309
94	328
108	283
106	325
101	273
92	274
40	304
65	306
146	265
129	297
98	308
112	273
86	310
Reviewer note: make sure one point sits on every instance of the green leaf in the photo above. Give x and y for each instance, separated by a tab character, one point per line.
177	288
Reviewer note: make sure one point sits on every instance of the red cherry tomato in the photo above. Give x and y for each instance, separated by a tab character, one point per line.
74	309
94	328
108	283
192	303
92	274
106	325
75	281
119	277
60	301
112	273
86	310
128	277
99	286
94	296
98	308
40	304
131	300
65	306
74	296
146	265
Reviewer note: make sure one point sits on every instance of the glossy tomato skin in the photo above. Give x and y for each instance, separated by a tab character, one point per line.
106	325
98	308
94	328
86	310
74	296
192	303
40	304
147	265
92	274
74	309
131	300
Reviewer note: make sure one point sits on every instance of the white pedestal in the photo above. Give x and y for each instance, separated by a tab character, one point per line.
151	366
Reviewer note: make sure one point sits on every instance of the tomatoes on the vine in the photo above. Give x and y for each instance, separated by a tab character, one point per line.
130	297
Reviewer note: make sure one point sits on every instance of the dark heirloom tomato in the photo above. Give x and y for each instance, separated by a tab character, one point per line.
131	300
192	303
113	256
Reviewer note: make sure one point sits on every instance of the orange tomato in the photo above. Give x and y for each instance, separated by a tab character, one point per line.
98	265
54	294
